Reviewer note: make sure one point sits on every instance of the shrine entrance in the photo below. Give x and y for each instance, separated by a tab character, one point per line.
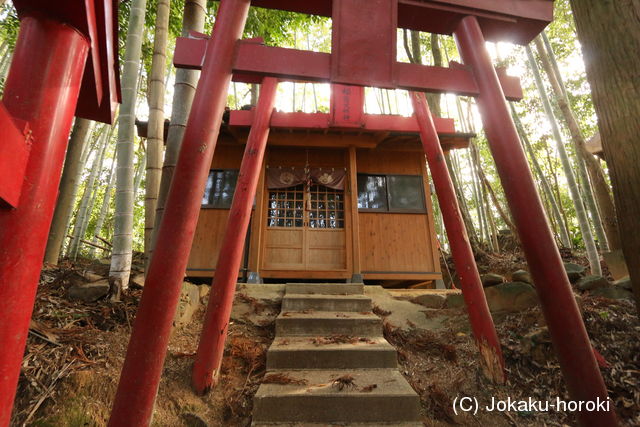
306	216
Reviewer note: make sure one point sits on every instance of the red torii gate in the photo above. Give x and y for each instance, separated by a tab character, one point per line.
363	54
65	63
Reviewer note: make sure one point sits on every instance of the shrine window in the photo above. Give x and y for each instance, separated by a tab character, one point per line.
221	185
309	206
391	193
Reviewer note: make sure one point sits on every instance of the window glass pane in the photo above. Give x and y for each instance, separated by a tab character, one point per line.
322	210
405	193
220	187
372	192
286	209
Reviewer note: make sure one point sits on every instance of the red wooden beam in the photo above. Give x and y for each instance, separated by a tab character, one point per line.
206	367
484	331
559	307
140	377
502	20
14	155
371	122
363	42
41	89
347	106
300	65
98	21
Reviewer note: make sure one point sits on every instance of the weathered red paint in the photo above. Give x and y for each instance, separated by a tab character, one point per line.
14	156
142	368
41	89
561	312
363	42
255	59
371	122
484	331
206	367
98	20
347	106
502	20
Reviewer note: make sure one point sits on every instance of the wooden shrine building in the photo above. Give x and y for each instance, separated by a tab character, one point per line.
342	196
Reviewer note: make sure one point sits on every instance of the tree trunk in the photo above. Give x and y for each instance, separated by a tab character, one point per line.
464	212
123	217
598	181
104	208
184	90
609	32
84	210
554	63
476	197
555	210
583	221
505	217
434	98
68	187
140	170
155	132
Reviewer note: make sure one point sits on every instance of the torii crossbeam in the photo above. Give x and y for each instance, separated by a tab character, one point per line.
363	54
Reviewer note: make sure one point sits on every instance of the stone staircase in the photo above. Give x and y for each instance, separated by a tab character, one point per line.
330	365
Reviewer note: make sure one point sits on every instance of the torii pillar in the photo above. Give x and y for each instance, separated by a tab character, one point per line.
567	330
64	63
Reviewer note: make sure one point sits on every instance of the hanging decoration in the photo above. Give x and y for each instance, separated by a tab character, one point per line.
291	177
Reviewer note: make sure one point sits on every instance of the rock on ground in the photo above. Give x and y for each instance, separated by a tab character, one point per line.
574	271
89	292
431	300
491	279
511	297
591	282
521	276
624	283
612	292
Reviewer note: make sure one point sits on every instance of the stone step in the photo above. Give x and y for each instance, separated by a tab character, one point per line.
325	323
325	288
331	353
320	302
378	396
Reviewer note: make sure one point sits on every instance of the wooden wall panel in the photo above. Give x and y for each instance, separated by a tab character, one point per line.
212	223
390	162
227	156
208	239
395	243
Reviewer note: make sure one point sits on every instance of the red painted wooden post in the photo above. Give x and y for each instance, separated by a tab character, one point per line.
566	327
206	367
42	88
142	368
482	325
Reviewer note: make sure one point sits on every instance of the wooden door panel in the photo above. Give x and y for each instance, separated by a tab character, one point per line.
326	249
330	259
284	249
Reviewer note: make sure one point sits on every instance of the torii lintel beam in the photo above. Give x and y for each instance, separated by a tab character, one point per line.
516	21
254	60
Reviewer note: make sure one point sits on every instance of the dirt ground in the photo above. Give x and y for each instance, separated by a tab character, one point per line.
75	352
